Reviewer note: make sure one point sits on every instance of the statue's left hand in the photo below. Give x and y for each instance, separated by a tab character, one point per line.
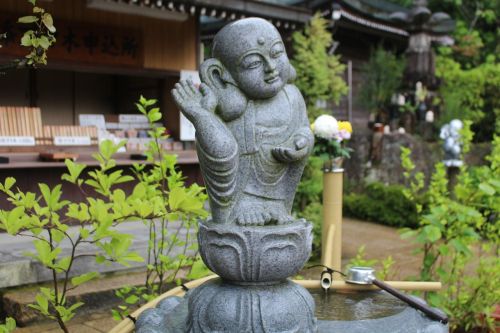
287	155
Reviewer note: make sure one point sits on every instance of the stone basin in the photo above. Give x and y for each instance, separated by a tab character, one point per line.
346	312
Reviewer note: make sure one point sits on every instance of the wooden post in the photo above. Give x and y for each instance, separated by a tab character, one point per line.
332	215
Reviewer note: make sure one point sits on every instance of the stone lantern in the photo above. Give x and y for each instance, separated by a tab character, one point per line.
425	28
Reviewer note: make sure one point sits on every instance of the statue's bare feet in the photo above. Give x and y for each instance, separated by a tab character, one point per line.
254	217
253	212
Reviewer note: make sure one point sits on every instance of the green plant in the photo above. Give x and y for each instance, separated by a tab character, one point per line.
9	326
314	214
383	74
308	199
360	260
46	218
384	204
470	94
38	39
476	34
182	206
450	233
319	77
319	74
310	189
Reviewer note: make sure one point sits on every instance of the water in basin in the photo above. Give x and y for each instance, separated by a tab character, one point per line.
345	305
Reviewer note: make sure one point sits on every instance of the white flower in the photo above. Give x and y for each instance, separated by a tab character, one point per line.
326	127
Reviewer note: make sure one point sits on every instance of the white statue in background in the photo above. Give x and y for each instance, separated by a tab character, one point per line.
452	144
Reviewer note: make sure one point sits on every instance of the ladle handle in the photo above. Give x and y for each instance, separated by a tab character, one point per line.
432	313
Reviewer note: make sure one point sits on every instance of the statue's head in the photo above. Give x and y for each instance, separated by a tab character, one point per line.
253	52
456	125
248	54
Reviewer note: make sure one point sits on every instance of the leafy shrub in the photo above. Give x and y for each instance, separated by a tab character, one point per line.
9	326
451	230
471	94
383	74
319	74
383	267
308	199
184	204
314	214
384	204
158	197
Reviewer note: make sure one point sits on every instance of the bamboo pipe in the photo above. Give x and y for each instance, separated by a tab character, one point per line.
328	258
332	215
401	285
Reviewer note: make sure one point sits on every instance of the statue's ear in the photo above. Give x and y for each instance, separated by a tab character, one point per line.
231	100
214	74
292	75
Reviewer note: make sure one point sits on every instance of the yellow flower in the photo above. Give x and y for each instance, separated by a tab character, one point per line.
312	127
346	126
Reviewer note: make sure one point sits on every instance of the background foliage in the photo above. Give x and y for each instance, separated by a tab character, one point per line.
319	77
382	77
319	73
384	204
457	228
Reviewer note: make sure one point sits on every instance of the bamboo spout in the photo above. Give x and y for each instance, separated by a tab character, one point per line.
331	242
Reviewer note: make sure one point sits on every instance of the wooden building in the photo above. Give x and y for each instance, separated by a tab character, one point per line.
107	53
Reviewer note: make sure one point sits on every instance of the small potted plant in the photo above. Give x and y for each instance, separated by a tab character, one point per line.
330	137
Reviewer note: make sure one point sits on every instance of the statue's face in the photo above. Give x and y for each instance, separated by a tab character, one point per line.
254	54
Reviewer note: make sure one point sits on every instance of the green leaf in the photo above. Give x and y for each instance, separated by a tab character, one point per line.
43	303
26	40
75	306
48	22
460	246
132	256
444	249
74	170
176	197
9	182
199	270
44	42
28	19
154	115
433	233
486	188
78	280
9	326
132	299
63	264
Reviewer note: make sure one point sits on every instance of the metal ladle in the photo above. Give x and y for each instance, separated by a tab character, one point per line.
366	276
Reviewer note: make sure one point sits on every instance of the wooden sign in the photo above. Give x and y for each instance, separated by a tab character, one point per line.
80	43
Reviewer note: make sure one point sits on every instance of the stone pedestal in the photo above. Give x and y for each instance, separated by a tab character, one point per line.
219	306
253	294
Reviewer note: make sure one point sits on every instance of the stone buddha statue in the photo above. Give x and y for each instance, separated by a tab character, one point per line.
252	132
253	140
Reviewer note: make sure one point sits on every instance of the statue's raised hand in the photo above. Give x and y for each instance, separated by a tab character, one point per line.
192	101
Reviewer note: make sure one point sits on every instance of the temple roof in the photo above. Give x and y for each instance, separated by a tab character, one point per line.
368	15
